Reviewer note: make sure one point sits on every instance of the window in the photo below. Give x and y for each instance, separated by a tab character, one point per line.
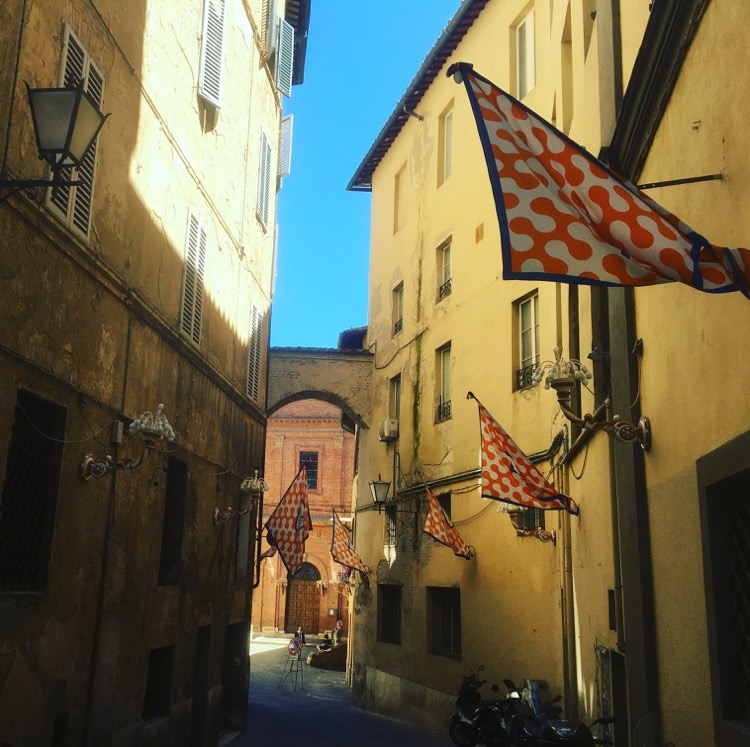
527	315
390	526
285	154
444	384
444	622
28	502
212	55
525	54
192	288
399	199
73	204
394	397
263	208
389	613
527	521
175	497
445	139
444	499
309	459
444	270
252	386
285	58
398	308
157	700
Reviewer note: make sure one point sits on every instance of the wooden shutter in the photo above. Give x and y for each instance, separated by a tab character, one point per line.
253	355
192	290
285	153
285	58
212	45
269	22
74	203
264	181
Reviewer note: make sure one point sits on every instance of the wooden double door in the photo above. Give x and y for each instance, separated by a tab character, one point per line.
302	606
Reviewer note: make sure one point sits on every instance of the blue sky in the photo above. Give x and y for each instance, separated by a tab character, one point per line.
361	57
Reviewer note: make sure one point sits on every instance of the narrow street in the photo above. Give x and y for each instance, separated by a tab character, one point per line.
317	711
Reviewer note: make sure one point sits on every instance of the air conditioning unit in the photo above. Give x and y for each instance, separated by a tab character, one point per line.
389	430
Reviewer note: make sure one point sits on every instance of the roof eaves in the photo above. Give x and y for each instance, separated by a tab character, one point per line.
428	71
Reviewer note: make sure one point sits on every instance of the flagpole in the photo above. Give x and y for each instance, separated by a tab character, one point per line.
686	180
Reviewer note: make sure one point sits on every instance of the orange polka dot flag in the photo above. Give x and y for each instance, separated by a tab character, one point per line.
290	524
509	476
439	527
342	550
564	216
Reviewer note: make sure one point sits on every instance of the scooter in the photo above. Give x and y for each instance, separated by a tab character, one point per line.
476	720
534	722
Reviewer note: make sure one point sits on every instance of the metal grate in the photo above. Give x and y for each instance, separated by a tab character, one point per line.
398	325
443	412
524	377
29	496
445	289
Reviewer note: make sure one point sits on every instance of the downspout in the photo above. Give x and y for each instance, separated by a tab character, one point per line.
96	645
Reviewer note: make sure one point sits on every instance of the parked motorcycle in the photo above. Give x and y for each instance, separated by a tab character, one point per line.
476	720
535	723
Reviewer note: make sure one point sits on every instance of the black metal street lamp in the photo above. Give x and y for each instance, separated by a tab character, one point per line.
379	489
66	123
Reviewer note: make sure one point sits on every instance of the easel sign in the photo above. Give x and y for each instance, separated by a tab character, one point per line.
294	664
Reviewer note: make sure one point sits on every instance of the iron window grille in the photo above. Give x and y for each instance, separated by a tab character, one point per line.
524	377
398	325
444	622
443	412
445	289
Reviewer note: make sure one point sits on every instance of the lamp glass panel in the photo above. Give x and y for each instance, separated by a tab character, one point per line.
52	110
87	124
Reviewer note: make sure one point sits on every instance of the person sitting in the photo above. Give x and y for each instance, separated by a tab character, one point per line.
325	645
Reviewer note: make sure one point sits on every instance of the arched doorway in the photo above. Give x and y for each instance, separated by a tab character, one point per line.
303	600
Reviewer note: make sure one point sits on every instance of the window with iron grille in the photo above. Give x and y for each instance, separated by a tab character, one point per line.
389	613
73	204
527	519
390	526
398	308
192	285
309	459
443	366
444	270
728	519
28	502
175	498
444	622
212	51
526	314
157	700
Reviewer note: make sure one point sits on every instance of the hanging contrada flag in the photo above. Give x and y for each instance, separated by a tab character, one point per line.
342	550
439	527
509	476
565	216
290	525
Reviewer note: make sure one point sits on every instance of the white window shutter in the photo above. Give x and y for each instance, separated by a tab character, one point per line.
74	203
252	388
264	181
285	152
212	51
270	21
192	289
285	58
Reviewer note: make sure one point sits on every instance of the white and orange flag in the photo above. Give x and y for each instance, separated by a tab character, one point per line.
342	550
509	476
290	524
438	526
564	216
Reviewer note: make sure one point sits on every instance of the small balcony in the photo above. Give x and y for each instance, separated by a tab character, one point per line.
445	289
443	412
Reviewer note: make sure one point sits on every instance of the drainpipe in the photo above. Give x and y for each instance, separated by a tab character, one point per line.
570	660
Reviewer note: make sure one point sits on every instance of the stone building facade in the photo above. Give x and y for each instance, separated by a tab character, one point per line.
123	605
307	431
